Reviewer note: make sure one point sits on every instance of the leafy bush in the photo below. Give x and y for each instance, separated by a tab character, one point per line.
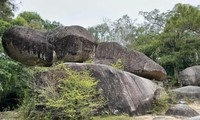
118	64
15	81
162	100
74	97
4	25
160	106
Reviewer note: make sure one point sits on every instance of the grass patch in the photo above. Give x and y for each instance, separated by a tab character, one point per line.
114	117
11	115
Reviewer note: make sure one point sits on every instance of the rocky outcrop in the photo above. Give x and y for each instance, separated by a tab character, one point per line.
182	110
125	92
71	44
190	76
32	47
27	46
133	61
192	92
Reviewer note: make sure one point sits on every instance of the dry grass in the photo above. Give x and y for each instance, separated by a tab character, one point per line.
11	115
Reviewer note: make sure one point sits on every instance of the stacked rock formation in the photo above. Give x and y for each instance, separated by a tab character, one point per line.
32	47
128	92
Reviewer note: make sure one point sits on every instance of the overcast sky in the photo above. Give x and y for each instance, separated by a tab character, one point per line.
92	12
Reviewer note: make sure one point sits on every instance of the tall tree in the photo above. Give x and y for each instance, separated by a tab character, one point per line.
175	45
180	37
121	30
147	33
6	9
33	19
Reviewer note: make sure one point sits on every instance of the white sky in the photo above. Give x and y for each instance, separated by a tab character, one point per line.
91	12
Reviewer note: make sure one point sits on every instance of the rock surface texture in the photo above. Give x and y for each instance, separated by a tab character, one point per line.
182	110
192	92
71	44
32	47
190	76
133	61
27	46
194	118
126	92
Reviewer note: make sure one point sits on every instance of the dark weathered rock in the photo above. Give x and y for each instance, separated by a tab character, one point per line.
32	47
27	46
182	110
71	43
192	92
126	92
133	61
190	76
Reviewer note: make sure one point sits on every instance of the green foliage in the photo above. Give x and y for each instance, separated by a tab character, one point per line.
20	21
48	25
34	20
3	26
163	99
118	64
30	16
7	7
74	97
171	38
161	106
14	78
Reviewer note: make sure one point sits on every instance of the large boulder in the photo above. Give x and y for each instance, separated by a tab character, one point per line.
32	47
133	61
192	92
71	43
27	46
125	92
181	110
190	76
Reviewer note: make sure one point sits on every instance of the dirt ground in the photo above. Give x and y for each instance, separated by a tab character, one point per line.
15	115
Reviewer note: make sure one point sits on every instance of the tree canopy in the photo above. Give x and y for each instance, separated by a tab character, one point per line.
7	7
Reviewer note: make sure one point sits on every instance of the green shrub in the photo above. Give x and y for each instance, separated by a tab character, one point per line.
74	97
160	106
118	64
15	82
